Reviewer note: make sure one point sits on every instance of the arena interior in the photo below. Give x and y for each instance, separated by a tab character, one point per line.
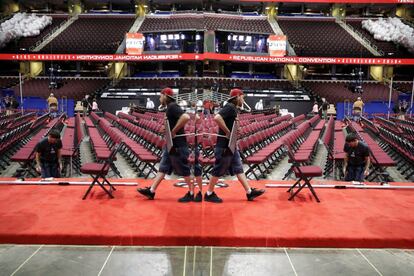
304	78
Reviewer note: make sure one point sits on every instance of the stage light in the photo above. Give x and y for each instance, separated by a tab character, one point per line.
176	36
164	38
170	37
234	37
248	39
198	37
241	37
183	36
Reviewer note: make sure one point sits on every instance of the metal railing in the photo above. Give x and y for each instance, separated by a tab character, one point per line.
193	97
52	32
360	35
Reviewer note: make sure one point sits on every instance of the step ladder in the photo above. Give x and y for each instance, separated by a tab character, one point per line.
347	108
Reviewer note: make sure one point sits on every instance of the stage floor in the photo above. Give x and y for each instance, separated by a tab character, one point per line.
353	218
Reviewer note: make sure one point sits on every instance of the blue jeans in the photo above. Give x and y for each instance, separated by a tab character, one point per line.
50	169
357	116
176	160
355	173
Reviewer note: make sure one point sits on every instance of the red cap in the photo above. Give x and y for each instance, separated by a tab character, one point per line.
167	91
235	92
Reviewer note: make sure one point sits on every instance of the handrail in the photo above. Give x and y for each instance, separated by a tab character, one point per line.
46	36
360	35
366	40
52	32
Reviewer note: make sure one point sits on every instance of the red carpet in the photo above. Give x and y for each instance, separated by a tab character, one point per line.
345	218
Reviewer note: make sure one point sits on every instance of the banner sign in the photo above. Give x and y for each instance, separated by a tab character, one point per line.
313	60
103	57
209	56
134	43
277	45
340	1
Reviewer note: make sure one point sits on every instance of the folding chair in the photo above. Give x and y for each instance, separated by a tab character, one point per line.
100	170
305	173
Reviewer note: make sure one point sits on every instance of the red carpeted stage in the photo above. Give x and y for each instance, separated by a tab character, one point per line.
51	214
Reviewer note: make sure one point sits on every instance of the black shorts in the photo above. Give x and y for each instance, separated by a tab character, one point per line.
226	162
176	160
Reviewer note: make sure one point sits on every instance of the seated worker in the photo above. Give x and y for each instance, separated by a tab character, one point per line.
48	155
357	161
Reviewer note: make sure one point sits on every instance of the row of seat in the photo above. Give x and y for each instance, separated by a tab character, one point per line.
303	144
263	150
224	82
91	35
316	37
335	91
400	149
140	147
391	126
72	88
11	140
126	116
334	141
71	140
258	24
6	119
9	124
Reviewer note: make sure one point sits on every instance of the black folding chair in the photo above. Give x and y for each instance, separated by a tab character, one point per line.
100	170
305	173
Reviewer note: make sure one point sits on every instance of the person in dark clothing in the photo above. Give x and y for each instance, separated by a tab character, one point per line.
403	108
177	158
48	155
357	161
324	107
85	105
14	103
7	105
226	160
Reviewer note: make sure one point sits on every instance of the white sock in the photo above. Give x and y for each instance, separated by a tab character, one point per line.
152	190
209	193
191	193
249	190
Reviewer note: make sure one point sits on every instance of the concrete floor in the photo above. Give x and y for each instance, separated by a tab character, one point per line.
117	260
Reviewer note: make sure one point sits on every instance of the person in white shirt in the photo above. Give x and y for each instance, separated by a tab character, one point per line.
150	104
315	108
259	105
95	105
183	104
199	106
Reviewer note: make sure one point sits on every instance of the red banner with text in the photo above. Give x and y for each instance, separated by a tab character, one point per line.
207	56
